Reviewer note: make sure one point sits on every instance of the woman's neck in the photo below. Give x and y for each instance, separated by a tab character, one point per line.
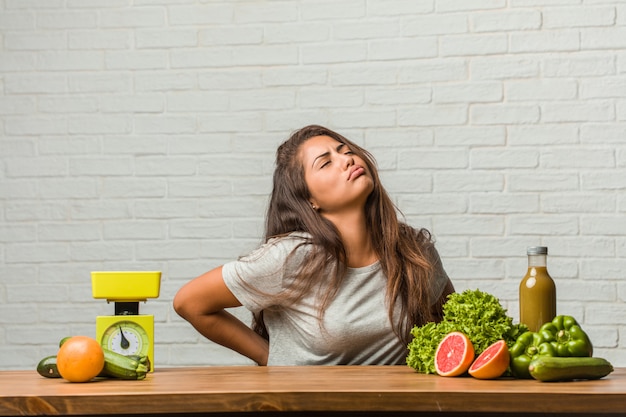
356	239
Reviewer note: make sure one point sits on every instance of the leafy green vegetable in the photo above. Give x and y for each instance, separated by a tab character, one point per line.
477	314
422	348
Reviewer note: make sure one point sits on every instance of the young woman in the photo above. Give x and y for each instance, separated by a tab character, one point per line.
339	280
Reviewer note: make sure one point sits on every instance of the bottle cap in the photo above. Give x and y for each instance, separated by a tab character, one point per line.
537	250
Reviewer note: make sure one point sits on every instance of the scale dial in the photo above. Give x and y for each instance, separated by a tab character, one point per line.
127	338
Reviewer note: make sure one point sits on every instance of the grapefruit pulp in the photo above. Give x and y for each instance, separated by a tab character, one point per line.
492	362
454	355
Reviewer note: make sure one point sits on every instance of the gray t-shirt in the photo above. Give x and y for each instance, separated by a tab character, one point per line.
356	328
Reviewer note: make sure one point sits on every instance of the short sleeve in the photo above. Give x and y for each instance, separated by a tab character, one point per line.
257	278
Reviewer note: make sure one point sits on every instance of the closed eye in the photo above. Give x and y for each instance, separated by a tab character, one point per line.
347	150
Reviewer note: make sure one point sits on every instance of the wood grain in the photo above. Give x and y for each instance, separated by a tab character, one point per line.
313	389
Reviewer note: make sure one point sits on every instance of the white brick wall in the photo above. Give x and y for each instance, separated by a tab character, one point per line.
141	135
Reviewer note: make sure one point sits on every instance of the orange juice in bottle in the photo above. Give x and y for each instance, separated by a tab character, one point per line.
537	291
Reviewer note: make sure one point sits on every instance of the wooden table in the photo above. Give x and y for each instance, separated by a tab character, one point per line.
351	390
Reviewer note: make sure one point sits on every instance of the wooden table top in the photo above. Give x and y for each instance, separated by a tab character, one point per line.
311	388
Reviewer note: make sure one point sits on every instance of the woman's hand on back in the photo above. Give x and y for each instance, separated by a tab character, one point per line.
202	302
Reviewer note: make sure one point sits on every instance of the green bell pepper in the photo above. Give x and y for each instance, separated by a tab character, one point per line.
567	337
527	347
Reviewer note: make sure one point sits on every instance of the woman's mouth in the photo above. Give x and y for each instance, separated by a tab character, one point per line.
356	172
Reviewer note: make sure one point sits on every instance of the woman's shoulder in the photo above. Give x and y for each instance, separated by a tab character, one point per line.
280	246
291	237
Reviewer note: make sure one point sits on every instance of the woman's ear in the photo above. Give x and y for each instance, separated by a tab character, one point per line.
313	205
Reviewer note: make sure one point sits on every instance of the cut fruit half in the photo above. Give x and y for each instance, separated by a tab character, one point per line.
454	355
492	363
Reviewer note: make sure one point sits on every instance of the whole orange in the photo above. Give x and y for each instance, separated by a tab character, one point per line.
80	359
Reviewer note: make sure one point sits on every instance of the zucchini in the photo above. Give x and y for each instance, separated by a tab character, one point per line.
47	367
141	359
548	369
119	366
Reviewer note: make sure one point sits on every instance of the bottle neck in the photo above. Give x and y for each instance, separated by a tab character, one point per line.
537	260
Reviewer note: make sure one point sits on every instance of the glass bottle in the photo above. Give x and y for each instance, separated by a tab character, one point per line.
537	292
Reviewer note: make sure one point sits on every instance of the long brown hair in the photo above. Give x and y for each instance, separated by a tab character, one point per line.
405	254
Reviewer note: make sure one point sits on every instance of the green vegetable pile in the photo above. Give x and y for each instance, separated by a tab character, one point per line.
561	337
477	314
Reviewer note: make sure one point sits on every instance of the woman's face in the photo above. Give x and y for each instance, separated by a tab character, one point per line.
337	179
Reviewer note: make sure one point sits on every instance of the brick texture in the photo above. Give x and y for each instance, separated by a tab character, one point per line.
140	135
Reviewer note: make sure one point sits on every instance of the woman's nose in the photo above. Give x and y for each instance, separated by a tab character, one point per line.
348	160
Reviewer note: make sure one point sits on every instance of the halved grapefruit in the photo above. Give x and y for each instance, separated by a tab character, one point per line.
454	354
492	362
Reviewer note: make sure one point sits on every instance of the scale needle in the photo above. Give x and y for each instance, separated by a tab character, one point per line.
124	344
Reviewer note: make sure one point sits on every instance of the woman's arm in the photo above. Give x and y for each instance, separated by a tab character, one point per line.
202	302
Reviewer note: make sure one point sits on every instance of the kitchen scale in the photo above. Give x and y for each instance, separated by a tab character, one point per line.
127	332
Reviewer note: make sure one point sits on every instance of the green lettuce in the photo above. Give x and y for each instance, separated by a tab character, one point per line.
477	314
